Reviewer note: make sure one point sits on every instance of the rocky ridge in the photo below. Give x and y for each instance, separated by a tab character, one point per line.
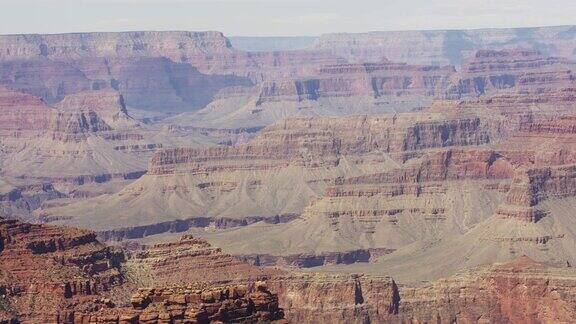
444	47
322	149
45	270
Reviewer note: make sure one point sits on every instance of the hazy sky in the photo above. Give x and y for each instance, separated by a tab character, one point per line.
277	17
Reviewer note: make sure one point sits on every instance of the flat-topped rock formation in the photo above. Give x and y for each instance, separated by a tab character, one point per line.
127	44
362	79
489	71
445	46
203	263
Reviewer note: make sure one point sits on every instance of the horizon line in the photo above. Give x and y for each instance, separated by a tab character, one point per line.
289	36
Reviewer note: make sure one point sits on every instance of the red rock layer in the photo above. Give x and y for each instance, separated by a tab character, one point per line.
532	185
48	269
22	112
202	263
522	291
316	298
230	304
307	298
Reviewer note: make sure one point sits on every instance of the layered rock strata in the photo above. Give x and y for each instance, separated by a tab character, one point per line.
230	304
366	79
318	149
521	291
46	270
445	46
490	71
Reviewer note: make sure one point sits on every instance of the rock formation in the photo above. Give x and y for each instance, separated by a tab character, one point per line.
145	136
445	46
521	291
64	275
233	304
320	150
489	71
164	262
366	79
47	270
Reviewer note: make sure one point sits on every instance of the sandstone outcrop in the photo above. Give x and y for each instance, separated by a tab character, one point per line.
490	71
530	186
63	275
315	298
46	270
165	262
521	291
230	304
46	144
302	140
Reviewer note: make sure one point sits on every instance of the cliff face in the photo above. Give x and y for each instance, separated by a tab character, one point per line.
489	71
63	275
446	46
40	140
233	304
313	298
319	149
319	141
534	185
79	114
175	45
45	269
522	291
365	79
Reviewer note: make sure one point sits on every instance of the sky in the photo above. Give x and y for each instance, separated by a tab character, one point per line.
278	17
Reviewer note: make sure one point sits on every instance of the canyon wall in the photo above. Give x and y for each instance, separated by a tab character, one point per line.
446	46
489	71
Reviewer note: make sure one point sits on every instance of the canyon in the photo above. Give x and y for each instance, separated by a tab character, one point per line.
66	276
384	177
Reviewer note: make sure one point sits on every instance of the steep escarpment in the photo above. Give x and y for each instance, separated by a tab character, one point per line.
314	298
192	183
362	79
64	275
46	270
209	305
445	46
532	186
304	298
381	212
56	139
517	292
66	46
489	71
